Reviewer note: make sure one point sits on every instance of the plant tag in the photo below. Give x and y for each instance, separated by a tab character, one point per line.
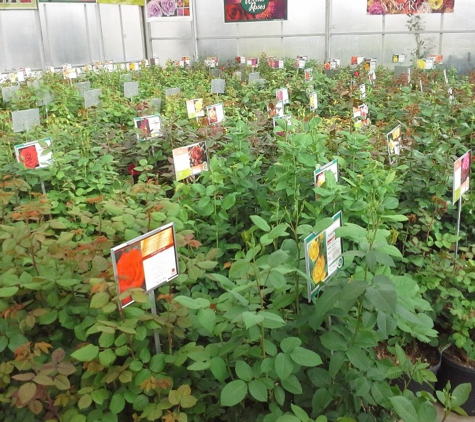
218	86
83	86
131	89
172	91
92	97
25	120
8	92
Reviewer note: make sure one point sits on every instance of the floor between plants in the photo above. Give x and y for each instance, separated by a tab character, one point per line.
452	417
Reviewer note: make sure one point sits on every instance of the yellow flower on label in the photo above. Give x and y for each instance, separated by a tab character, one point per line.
314	250
319	273
436	4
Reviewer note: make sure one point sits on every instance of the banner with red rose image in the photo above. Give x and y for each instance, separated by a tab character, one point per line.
409	7
18	4
160	10
145	262
254	10
35	154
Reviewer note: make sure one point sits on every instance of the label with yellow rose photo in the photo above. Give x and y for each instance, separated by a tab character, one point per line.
190	160
394	139
409	7
195	108
323	255
35	154
148	127
399	58
461	175
146	262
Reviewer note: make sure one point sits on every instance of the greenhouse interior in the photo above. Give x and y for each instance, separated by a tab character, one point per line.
237	210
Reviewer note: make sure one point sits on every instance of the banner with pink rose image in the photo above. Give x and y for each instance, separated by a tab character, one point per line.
160	10
409	7
254	10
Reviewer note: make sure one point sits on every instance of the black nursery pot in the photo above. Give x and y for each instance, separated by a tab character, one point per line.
457	374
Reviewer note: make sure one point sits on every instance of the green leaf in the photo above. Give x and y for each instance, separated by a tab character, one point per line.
404	408
336	361
207	318
395	217
8	291
305	357
292	385
383	297
283	365
334	341
107	357
250	319
260	223
157	363
26	392
207	265
290	343
85	401
233	393
258	390
100	396
278	231
117	403
299	412
271	320
188	401
351	231
86	353
276	258
218	368
460	394
244	371
228	202
358	359
288	418
99	300
239	269
188	302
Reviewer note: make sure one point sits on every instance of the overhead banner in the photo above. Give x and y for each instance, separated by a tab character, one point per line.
21	4
160	10
254	10
409	7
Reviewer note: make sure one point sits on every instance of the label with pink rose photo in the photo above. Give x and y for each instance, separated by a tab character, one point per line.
168	10
461	175
408	7
190	160
35	154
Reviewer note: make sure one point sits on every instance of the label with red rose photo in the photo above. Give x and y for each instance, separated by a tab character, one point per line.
190	160
148	127
35	154
146	262
215	113
255	10
461	175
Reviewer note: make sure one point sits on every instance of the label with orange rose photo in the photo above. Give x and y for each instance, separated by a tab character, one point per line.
148	127
146	262
195	108
191	160
35	154
215	113
323	255
254	10
461	176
